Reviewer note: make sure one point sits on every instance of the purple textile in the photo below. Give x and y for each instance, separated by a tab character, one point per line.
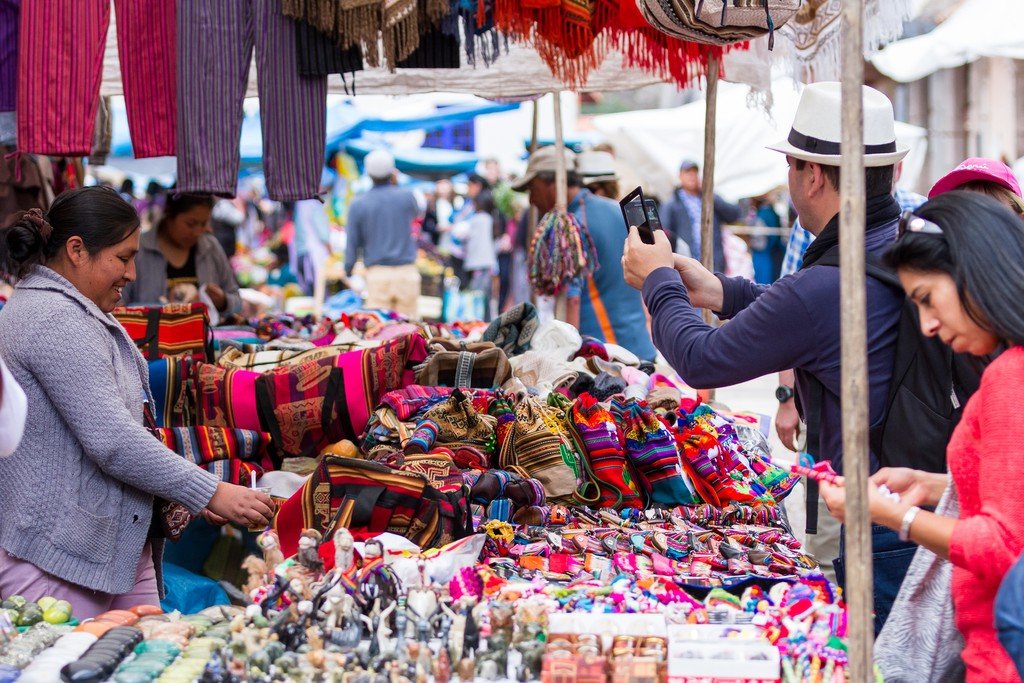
8	53
215	44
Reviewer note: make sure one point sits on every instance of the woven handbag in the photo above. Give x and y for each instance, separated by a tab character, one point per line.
537	449
167	331
368	499
481	365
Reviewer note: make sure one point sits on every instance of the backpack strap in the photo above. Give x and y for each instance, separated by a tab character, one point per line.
812	411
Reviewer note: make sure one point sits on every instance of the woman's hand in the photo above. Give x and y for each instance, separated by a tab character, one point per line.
217	296
242	506
914	486
882	510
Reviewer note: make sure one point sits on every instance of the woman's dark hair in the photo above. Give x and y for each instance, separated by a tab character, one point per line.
96	214
982	249
128	186
183	203
484	202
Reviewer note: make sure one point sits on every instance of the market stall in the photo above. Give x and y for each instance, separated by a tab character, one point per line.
503	501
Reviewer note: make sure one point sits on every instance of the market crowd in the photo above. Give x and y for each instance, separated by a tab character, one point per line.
945	302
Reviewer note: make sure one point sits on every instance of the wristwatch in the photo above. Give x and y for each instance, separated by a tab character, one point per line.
784	393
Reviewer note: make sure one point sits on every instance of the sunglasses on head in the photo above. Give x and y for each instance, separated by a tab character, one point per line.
911	223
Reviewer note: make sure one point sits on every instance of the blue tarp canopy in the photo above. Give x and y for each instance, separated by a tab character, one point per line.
425	163
344	122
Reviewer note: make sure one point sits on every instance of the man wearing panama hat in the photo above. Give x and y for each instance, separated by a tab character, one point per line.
794	323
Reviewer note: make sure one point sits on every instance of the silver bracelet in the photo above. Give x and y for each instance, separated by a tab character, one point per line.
908	519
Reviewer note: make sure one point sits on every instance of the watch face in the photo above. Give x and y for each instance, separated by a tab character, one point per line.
783	394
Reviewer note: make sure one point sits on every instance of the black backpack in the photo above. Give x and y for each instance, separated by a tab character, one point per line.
930	386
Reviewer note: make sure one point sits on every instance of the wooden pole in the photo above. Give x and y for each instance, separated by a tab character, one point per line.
707	202
561	193
533	217
853	303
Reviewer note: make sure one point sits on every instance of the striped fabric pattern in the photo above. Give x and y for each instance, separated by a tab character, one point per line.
215	46
8	54
59	71
168	379
181	329
229	453
147	52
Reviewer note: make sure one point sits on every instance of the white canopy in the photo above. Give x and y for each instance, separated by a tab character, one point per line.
653	142
979	28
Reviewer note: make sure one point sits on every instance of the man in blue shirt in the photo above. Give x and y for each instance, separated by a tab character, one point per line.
681	215
380	230
610	310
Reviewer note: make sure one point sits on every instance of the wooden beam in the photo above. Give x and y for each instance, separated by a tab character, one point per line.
707	211
853	303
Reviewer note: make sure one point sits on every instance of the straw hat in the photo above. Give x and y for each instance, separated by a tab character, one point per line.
817	128
596	167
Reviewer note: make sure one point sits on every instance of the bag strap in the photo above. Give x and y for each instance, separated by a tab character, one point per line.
464	369
812	411
152	340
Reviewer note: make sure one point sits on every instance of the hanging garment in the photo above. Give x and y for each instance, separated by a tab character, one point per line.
60	64
147	51
216	40
319	55
8	53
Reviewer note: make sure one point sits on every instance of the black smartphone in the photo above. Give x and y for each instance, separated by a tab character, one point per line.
635	213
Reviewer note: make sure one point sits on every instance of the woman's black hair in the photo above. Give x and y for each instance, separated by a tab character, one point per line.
98	215
484	202
182	203
982	249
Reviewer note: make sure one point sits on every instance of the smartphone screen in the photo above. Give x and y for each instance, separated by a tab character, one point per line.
651	210
635	215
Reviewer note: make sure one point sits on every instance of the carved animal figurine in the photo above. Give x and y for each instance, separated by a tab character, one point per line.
258	570
308	555
456	631
467	669
501	622
443	666
270	544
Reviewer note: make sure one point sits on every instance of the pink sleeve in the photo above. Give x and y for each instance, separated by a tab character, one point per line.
988	543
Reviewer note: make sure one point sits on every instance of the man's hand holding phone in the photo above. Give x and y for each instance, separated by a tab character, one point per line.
640	259
704	288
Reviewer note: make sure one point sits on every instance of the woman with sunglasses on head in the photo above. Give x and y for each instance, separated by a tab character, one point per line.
961	261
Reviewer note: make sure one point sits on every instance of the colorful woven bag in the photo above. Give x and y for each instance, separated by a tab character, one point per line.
651	450
299	406
226	397
537	449
173	330
231	454
172	382
368	498
599	433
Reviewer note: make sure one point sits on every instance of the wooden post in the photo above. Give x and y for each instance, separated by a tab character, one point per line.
565	309
707	202
853	304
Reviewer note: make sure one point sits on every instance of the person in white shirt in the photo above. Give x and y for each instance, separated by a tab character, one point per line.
13	410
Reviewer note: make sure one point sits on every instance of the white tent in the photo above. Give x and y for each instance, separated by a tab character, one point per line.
653	142
979	28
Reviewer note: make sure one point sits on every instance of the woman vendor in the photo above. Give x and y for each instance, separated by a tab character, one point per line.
77	495
180	258
972	297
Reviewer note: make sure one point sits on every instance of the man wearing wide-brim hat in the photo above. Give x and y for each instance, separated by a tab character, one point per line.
793	323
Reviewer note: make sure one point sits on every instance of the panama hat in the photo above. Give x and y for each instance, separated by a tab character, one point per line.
595	167
817	128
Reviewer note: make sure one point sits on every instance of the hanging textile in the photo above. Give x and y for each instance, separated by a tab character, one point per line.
60	64
561	31
216	42
8	54
480	36
816	32
436	50
644	47
319	55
